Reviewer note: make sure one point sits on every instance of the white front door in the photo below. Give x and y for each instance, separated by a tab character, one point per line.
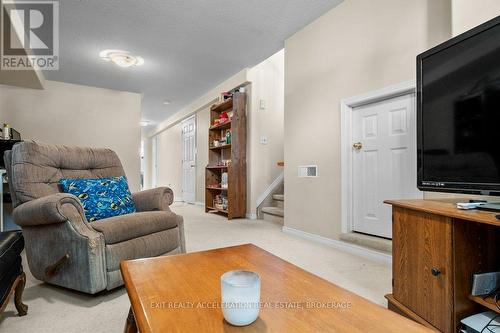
384	161
189	160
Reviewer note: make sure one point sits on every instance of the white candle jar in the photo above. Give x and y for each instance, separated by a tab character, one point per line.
240	293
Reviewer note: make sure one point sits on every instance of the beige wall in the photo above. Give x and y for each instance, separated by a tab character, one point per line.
470	13
268	81
77	115
148	166
26	78
202	125
170	159
355	48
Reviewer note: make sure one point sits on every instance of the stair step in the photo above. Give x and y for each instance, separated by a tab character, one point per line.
274	219
280	204
276	211
373	242
279	197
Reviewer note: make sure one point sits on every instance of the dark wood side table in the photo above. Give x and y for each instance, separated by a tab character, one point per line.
436	249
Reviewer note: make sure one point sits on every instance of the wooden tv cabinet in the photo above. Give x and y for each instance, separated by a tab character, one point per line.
436	249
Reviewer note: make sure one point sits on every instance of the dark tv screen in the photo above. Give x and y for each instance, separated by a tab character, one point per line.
459	113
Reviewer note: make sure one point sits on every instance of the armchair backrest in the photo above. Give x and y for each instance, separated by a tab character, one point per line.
34	169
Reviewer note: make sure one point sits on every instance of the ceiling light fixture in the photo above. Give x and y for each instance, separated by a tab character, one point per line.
144	123
121	58
167	102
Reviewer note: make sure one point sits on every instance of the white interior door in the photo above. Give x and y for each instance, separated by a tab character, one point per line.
189	160
383	162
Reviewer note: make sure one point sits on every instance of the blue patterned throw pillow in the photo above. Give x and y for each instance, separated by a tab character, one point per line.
101	198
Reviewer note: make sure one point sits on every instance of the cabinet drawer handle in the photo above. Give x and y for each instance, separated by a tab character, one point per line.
435	271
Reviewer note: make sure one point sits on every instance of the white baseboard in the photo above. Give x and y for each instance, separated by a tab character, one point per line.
251	216
343	246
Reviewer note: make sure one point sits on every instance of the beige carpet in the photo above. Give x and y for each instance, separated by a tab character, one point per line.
53	309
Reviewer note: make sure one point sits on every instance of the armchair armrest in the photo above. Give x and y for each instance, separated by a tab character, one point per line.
47	210
61	247
155	199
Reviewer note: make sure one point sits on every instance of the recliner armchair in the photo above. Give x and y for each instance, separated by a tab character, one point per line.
62	247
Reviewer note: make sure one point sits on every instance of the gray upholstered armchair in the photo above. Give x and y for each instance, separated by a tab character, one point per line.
62	247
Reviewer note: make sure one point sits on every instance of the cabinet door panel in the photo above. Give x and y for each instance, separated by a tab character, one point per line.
422	268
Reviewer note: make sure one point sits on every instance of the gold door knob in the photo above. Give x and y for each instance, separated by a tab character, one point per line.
357	145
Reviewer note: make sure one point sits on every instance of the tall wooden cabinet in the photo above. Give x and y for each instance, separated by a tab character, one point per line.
436	249
227	158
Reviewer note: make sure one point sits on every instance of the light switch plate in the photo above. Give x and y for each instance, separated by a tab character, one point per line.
263	140
262	104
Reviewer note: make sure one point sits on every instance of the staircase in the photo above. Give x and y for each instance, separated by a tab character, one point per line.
275	213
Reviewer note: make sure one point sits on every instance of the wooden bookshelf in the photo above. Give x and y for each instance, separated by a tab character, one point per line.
233	154
217	167
224	106
217	210
221	126
217	188
486	301
226	146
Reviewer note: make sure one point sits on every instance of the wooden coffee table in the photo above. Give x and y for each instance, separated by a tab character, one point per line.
182	294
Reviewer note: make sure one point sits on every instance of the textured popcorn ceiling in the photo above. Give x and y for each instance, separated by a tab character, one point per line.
188	45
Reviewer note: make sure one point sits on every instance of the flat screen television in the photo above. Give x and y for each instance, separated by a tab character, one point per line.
458	113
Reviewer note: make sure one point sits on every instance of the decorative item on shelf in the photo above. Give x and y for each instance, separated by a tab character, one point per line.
220	202
15	135
240	295
9	134
228	137
240	89
6	132
224	180
224	163
224	118
218	143
225	96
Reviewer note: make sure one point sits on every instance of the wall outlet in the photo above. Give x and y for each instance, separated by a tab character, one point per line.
263	140
262	104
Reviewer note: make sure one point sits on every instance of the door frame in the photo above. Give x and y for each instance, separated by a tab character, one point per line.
193	117
347	106
154	161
